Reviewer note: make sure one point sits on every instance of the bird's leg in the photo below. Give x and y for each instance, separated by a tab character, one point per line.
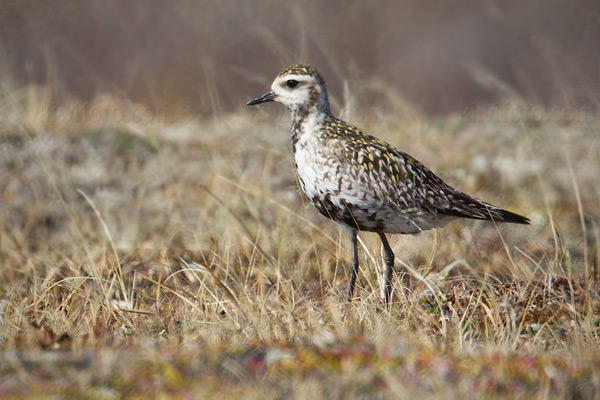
354	271
389	267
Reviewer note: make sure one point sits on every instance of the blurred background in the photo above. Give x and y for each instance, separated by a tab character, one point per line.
210	56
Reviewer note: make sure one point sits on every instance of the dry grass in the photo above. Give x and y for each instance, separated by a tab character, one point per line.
153	257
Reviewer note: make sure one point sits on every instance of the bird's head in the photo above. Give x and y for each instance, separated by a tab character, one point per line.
298	87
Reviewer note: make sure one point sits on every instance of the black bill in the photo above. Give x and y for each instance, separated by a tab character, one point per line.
264	98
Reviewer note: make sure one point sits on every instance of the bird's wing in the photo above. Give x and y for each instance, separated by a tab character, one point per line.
398	179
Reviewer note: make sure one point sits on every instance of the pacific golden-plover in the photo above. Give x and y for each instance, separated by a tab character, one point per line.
360	181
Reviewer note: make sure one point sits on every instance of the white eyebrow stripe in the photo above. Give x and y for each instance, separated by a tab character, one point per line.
295	77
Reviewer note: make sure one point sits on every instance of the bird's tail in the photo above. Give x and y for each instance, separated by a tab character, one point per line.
465	206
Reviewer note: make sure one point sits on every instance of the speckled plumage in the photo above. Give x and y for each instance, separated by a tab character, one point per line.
360	181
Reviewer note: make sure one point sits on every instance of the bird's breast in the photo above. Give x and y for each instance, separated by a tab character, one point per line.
318	165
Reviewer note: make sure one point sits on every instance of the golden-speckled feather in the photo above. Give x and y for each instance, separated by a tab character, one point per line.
299	69
409	184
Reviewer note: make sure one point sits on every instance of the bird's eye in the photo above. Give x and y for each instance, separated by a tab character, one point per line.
291	83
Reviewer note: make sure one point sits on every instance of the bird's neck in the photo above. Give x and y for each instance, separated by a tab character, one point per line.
307	120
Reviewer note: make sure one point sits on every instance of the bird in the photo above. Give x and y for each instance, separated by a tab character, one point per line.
362	182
